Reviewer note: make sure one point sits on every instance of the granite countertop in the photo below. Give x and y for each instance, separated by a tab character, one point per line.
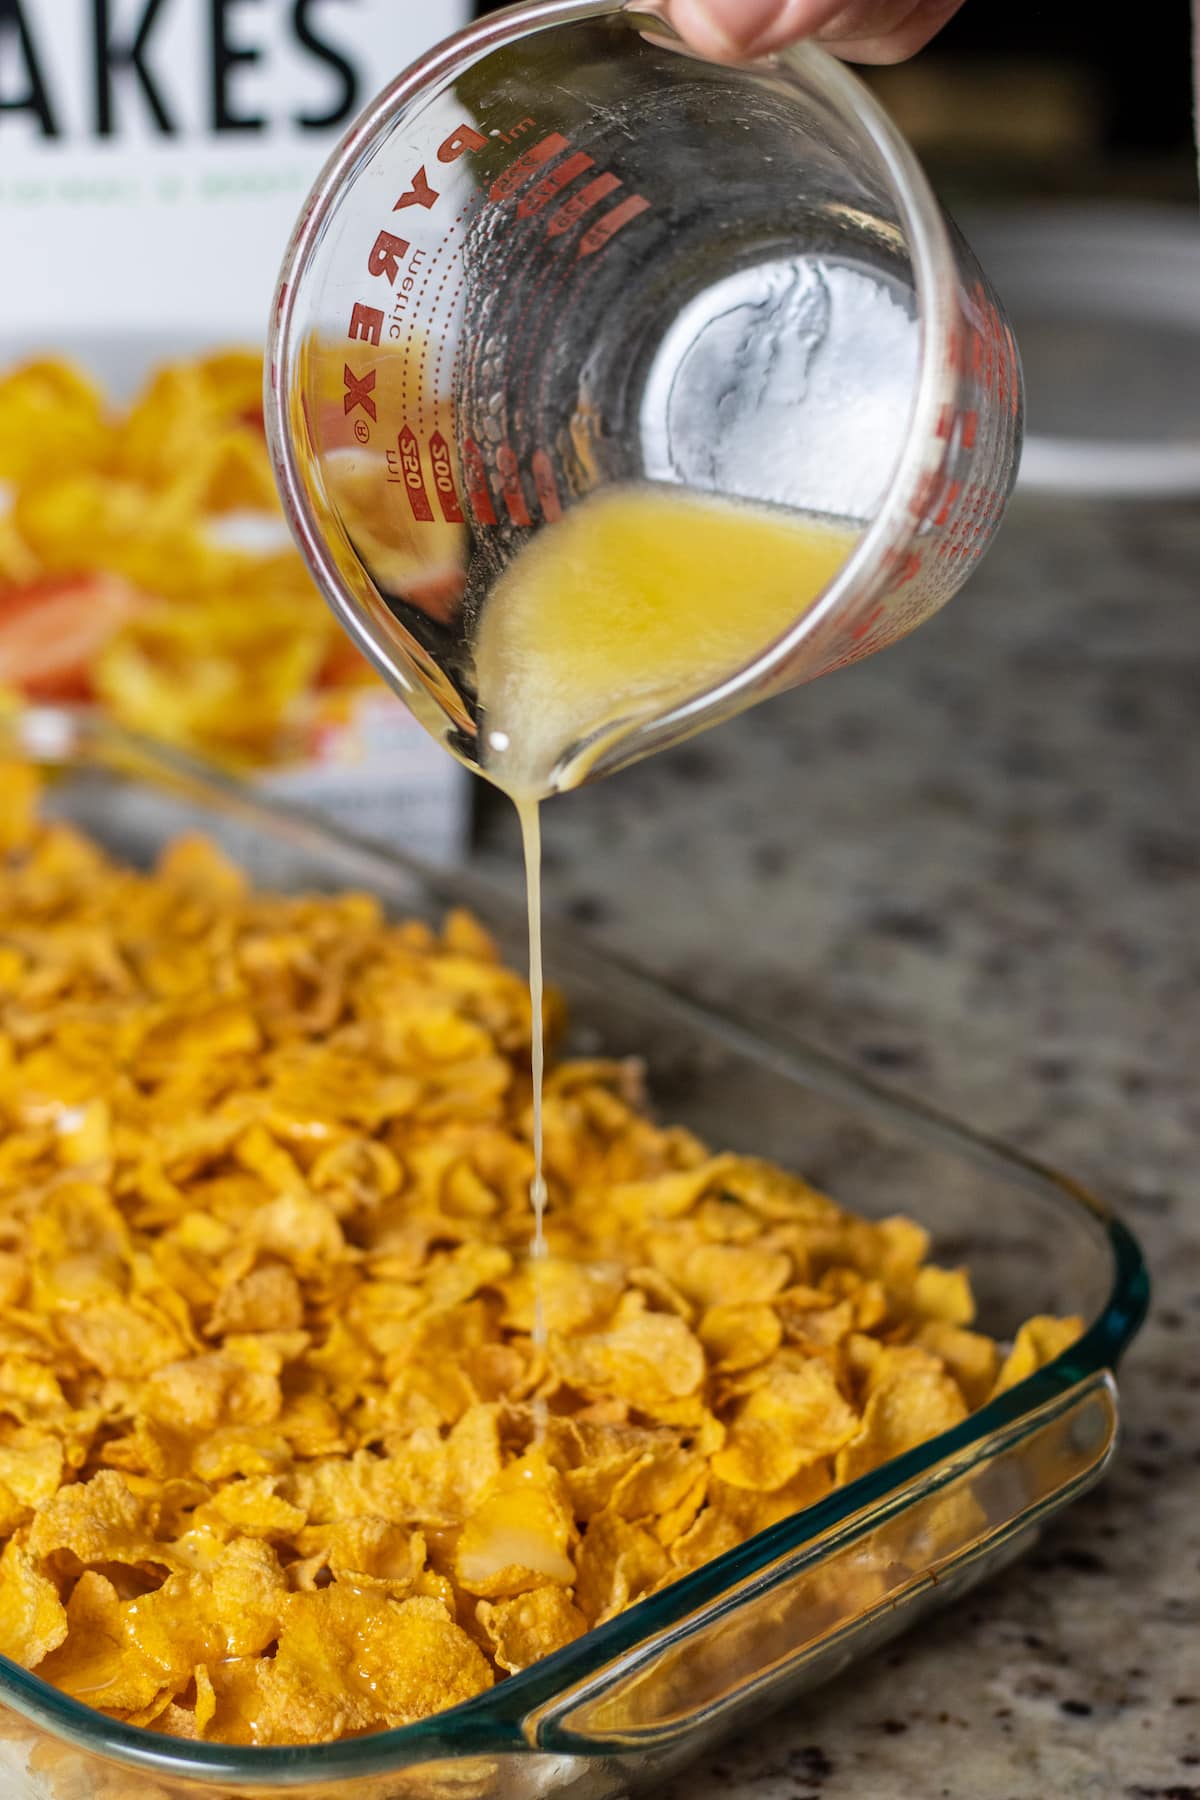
973	865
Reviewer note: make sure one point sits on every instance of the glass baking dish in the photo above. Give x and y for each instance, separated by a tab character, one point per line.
641	1695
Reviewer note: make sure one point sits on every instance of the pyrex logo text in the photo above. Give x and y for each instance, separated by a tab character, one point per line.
545	177
389	250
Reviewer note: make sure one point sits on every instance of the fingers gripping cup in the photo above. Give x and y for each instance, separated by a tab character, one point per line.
612	389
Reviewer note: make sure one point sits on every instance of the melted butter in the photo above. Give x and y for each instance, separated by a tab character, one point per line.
513	1544
529	813
638	600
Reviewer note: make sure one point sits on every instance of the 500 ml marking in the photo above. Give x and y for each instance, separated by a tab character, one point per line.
393	260
405	470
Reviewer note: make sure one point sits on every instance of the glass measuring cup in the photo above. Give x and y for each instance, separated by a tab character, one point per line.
563	253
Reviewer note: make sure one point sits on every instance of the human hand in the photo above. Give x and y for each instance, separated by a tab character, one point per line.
865	31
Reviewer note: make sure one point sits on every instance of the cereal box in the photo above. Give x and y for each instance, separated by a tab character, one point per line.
154	155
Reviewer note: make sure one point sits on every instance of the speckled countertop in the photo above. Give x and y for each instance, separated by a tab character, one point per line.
973	864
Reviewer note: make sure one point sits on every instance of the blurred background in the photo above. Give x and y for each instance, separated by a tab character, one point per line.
1049	100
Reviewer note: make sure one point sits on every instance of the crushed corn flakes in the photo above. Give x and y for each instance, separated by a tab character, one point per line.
280	1457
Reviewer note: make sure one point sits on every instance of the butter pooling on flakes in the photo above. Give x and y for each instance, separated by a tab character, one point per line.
280	1460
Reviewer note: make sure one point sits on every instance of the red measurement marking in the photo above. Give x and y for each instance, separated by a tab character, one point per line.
414	479
949	496
970	426
909	568
418	305
923	497
515	174
557	178
606	228
547	492
510	482
1014	398
572	210
443	479
865	625
475	476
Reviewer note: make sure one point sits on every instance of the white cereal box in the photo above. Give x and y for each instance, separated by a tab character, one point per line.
154	155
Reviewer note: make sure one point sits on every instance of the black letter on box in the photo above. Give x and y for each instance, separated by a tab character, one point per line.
226	56
110	57
346	103
36	98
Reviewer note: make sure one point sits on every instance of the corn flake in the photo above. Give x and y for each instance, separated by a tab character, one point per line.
32	1619
348	1662
1037	1343
532	1625
795	1417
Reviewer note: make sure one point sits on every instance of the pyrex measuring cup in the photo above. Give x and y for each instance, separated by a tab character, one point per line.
563	252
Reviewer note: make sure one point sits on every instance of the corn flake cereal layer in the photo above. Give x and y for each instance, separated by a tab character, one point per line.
280	1460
